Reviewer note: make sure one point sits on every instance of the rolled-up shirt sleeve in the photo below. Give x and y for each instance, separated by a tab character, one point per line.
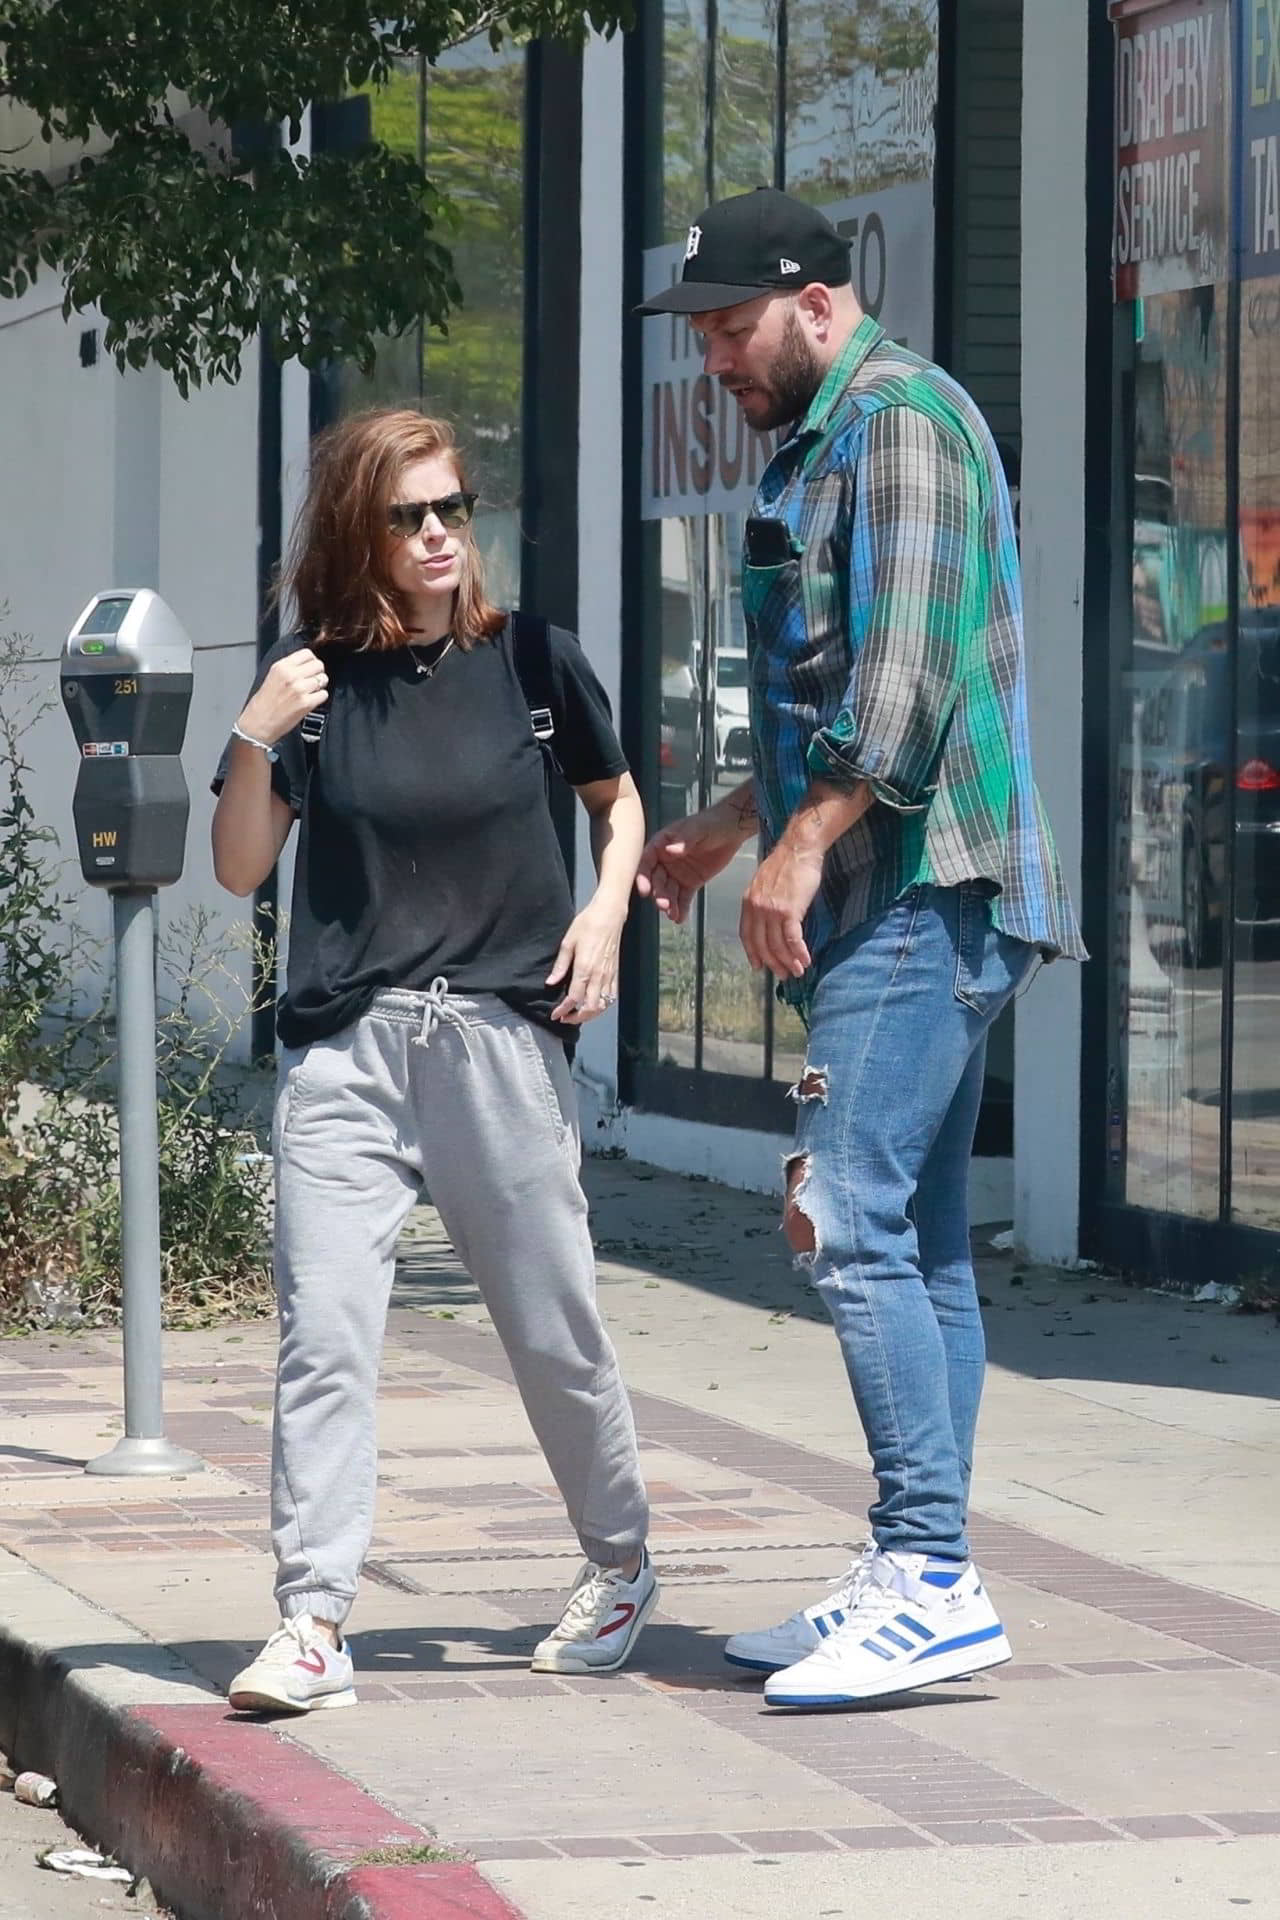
914	563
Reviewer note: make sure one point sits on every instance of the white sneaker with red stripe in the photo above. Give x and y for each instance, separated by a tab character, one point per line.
601	1621
296	1672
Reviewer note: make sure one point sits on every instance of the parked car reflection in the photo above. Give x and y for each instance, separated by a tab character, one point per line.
678	744
733	735
1182	767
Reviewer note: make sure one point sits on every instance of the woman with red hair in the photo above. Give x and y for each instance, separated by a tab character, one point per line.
437	979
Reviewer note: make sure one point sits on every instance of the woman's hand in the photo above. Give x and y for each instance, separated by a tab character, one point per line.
295	686
588	961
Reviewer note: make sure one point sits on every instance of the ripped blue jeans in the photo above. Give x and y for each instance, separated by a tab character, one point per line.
878	1188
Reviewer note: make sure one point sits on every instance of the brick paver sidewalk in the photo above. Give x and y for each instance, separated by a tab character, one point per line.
1127	1526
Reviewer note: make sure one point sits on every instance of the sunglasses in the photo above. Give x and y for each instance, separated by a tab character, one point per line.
452	510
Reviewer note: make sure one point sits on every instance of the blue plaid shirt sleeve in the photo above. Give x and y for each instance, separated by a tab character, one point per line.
915	560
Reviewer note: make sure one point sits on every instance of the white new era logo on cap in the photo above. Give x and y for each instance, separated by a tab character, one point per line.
789	266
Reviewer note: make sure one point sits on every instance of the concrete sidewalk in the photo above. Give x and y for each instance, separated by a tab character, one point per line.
1127	1762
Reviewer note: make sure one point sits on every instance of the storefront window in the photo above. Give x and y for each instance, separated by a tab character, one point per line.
1172	749
1255	1101
1172	746
1193	1092
839	110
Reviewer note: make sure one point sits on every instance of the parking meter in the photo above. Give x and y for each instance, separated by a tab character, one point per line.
126	685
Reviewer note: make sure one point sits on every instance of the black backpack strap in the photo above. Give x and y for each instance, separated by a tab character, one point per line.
312	725
531	650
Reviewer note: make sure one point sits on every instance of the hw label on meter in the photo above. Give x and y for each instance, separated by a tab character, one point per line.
105	749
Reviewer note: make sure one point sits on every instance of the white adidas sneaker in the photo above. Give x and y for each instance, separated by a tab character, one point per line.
600	1623
916	1621
296	1672
774	1648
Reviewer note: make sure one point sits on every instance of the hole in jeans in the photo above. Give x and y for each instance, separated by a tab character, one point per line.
812	1085
802	1237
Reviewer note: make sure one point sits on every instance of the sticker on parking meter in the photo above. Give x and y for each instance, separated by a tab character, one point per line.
105	749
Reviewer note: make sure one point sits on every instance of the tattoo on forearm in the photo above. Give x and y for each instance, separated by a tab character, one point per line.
742	805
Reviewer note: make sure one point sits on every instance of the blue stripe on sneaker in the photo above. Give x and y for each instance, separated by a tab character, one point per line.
915	1626
837	1614
962	1640
896	1640
938	1577
811	1700
871	1647
821	1624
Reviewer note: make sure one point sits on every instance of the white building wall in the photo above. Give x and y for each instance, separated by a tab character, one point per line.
1047	1081
57	527
114	480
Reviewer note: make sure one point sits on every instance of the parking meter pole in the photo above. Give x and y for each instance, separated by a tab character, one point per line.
144	1448
134	924
126	678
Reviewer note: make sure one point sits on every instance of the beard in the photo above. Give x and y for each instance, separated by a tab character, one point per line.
792	380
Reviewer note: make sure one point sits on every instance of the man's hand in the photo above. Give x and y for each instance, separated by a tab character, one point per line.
688	853
771	925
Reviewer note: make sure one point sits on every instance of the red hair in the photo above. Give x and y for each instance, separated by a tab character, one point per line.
336	568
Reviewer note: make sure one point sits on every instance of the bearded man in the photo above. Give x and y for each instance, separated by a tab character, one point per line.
908	886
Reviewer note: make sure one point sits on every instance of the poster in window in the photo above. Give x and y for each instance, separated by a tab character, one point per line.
1172	226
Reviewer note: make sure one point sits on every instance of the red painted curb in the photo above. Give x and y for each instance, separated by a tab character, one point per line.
286	1785
228	1819
246	1782
444	1892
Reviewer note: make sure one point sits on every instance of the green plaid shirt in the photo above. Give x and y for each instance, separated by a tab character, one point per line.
889	649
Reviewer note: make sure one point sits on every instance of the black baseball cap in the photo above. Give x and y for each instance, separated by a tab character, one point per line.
761	242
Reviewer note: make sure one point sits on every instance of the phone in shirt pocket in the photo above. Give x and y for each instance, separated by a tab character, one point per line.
768	542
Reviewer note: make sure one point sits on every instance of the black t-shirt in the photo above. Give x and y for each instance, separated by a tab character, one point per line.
426	845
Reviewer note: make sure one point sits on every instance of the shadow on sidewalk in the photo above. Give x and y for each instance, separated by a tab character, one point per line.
38	1457
669	1653
1040	1322
677	1659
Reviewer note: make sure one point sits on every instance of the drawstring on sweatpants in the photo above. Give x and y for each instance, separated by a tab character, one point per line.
435	1009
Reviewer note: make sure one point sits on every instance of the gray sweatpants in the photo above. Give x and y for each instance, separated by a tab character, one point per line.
477	1101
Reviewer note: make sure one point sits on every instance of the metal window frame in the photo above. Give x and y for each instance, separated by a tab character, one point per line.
552	332
747	1102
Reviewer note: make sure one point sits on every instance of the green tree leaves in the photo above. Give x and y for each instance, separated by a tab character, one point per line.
187	238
